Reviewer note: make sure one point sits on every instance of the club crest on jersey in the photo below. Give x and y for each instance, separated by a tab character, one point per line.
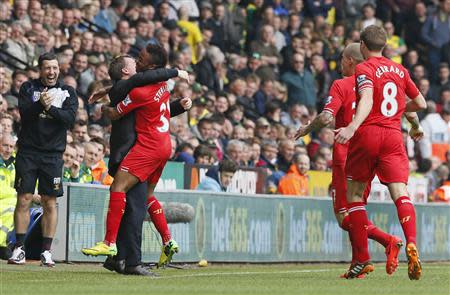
127	100
36	95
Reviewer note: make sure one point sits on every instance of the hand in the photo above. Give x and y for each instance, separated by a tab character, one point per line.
343	135
183	75
75	169
99	94
302	131
45	99
416	133
186	103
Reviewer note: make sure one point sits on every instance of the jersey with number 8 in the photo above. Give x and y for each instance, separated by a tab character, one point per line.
391	84
152	107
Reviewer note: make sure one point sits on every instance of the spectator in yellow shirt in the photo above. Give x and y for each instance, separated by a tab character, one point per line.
395	45
8	197
194	35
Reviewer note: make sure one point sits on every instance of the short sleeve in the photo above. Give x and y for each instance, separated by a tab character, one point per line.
364	77
410	88
334	101
134	100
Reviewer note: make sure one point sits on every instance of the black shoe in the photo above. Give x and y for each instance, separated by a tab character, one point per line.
5	253
114	265
139	271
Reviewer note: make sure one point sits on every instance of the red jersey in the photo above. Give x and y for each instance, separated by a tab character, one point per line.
152	116
341	103
391	84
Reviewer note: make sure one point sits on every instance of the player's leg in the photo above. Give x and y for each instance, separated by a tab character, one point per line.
158	218
25	185
170	246
407	217
129	237
122	183
393	169
359	169
391	243
339	196
358	229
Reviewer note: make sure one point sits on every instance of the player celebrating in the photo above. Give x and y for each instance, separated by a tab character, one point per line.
341	105
146	160
377	146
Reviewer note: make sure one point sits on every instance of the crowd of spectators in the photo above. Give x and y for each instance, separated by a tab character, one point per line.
259	70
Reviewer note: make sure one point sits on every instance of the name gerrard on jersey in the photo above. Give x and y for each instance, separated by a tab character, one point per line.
385	69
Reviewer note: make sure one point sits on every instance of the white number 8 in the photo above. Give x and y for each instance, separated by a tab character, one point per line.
389	94
164	121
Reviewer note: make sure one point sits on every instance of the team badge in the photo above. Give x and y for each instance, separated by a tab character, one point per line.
36	95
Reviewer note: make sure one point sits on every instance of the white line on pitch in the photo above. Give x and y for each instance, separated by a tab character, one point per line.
213	274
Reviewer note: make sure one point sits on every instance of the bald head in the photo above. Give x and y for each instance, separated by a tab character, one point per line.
350	58
353	51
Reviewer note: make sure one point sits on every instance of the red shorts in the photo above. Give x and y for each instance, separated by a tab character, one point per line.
377	150
339	185
145	167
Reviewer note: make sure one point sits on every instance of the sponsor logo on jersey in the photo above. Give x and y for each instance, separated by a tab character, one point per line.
361	78
328	99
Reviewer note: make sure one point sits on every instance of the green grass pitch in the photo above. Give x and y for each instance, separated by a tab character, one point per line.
270	279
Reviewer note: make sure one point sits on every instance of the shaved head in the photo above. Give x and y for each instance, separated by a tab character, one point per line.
353	51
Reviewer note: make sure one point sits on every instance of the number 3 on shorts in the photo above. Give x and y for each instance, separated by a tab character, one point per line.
389	105
163	119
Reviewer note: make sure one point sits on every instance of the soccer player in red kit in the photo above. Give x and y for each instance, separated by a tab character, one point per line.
376	146
341	105
147	158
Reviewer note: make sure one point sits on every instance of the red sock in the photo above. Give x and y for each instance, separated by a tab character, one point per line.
407	217
353	248
358	231
346	223
374	233
117	201
158	218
